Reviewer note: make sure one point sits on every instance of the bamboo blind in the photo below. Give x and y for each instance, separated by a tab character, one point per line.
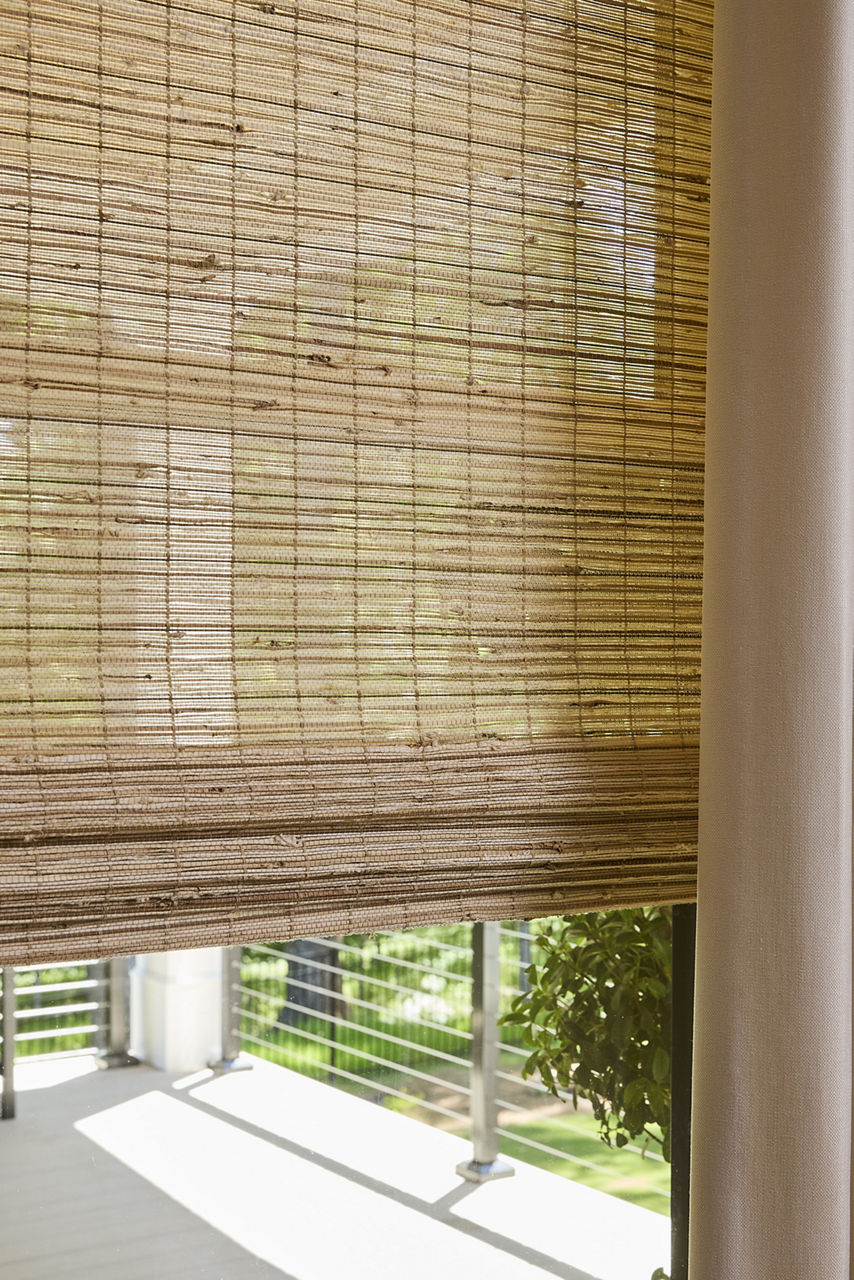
351	450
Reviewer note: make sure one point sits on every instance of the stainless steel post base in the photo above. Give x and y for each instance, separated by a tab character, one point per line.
475	1171
115	1058
225	1066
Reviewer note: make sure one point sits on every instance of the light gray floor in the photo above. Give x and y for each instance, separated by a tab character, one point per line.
264	1175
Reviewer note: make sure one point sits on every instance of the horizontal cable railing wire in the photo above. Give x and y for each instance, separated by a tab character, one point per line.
403	963
55	1033
438	943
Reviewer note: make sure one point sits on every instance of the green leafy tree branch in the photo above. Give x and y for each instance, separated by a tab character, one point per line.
597	1020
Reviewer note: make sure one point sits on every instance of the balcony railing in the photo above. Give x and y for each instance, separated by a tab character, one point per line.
61	1011
409	1021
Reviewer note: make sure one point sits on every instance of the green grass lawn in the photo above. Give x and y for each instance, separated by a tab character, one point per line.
624	1173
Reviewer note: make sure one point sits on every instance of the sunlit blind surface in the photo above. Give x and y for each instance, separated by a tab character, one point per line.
351	451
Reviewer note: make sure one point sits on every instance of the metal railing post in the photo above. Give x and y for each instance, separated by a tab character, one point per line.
118	1021
230	1059
7	1047
100	971
524	954
485	1164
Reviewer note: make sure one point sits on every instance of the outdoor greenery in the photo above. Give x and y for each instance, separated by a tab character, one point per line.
597	1019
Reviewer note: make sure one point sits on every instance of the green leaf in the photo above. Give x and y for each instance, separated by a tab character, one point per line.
634	1092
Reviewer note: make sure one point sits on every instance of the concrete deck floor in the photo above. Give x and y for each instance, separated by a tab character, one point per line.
133	1174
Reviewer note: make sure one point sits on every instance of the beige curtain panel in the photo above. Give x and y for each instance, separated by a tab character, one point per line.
352	442
771	1194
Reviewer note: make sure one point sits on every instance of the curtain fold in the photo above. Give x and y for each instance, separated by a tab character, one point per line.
772	1102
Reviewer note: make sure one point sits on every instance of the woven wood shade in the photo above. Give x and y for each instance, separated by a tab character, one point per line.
352	446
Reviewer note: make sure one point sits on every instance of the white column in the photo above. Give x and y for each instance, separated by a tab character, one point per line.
176	1008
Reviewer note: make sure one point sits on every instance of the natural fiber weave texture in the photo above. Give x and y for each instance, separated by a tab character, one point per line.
352	444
